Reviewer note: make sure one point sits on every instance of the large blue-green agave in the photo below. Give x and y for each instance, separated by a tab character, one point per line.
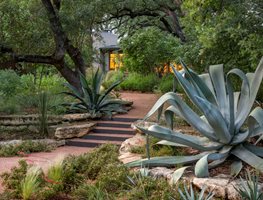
226	125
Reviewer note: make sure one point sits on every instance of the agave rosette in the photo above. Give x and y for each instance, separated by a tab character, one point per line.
226	125
90	99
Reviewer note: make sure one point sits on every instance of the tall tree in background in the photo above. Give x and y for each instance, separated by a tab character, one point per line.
58	32
127	16
228	32
49	33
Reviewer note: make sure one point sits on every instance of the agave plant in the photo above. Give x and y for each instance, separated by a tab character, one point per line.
191	195
249	188
226	124
91	99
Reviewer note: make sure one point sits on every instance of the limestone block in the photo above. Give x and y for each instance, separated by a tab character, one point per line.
72	131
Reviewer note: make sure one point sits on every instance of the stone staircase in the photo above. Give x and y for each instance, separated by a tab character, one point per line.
113	131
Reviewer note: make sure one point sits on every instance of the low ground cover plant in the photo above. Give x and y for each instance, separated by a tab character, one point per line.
24	148
226	125
95	175
157	150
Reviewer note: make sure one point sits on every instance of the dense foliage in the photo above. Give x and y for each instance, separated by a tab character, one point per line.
95	175
20	94
24	148
147	50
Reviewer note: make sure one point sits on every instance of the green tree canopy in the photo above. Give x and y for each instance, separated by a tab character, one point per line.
147	49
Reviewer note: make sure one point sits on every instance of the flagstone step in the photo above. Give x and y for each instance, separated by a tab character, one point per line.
114	131
120	119
105	137
113	125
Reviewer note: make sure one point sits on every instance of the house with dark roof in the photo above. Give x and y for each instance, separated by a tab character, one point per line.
108	53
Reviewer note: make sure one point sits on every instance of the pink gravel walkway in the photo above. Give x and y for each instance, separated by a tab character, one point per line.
142	103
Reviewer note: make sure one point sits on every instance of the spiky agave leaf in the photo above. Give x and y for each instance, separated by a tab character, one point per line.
224	112
192	195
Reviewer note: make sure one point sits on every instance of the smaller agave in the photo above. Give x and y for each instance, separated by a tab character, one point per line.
191	195
226	125
249	188
92	100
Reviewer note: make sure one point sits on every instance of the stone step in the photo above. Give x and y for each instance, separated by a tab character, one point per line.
120	119
109	135
114	131
103	137
113	125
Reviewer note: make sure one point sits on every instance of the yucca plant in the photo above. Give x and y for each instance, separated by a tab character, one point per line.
226	125
91	100
192	195
30	183
249	188
43	113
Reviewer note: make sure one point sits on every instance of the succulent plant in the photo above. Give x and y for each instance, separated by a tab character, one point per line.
91	99
226	124
250	188
192	195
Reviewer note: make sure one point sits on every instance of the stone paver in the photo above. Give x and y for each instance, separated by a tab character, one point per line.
141	105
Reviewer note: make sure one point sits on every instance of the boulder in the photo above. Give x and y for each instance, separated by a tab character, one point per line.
129	157
72	131
215	184
76	117
161	172
136	141
141	123
222	186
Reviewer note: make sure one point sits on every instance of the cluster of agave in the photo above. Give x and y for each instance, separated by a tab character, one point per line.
90	99
226	125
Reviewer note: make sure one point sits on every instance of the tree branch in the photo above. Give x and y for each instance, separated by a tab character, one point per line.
35	59
57	29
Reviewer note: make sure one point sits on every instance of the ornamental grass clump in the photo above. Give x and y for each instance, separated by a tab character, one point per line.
30	184
226	124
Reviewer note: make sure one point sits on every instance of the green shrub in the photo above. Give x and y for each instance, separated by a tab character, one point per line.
158	150
9	105
149	188
24	147
138	82
12	180
111	77
90	192
113	178
166	83
89	164
99	158
21	93
9	83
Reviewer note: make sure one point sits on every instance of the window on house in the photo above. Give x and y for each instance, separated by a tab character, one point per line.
115	60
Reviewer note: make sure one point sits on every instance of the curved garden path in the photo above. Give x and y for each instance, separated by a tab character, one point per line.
142	103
